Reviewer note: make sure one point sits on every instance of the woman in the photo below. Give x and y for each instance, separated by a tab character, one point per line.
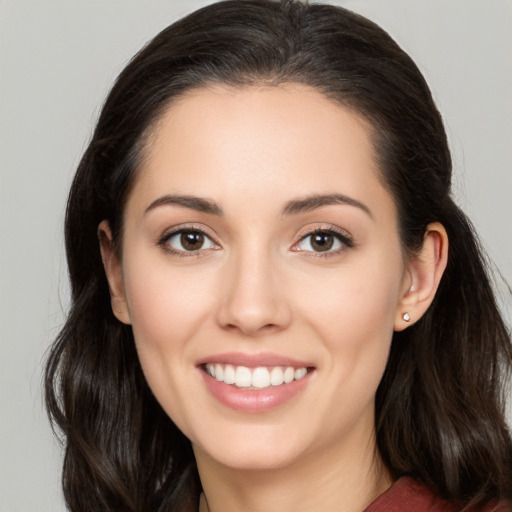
285	309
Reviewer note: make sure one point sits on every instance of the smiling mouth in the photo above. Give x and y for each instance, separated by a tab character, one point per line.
260	377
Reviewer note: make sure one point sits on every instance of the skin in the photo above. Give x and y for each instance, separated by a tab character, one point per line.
258	286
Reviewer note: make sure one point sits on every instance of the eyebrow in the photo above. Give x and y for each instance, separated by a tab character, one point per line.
192	202
313	202
293	207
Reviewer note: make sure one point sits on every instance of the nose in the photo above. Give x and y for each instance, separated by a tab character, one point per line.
253	296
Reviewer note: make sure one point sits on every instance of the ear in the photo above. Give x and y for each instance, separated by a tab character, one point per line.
423	275
114	273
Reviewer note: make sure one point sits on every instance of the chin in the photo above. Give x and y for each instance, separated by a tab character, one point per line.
253	449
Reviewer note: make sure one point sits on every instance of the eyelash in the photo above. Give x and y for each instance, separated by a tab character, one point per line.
342	237
163	241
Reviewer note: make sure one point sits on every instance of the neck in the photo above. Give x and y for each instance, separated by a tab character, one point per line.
329	481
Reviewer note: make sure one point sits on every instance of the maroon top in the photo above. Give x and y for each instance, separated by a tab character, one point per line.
409	495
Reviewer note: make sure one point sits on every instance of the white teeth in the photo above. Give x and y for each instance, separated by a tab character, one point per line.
243	377
289	375
219	372
260	378
300	372
229	374
257	378
276	376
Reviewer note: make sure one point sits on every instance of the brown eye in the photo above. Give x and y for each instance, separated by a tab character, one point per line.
189	240
321	242
192	240
324	241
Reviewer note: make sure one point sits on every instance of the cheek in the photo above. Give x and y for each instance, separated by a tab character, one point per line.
358	299
357	333
165	304
168	307
353	312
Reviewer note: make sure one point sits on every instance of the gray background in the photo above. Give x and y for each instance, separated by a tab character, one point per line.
57	61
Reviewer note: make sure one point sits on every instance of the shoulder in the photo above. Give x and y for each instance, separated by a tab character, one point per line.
409	494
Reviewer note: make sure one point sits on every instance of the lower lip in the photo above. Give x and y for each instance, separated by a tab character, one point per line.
253	400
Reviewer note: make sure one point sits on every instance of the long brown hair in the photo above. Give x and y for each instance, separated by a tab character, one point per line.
440	405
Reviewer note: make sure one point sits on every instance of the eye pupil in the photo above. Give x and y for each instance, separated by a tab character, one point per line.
322	242
192	240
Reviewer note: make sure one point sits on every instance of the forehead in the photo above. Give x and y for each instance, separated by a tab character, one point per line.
256	142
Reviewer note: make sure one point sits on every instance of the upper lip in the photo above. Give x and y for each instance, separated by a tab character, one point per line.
253	360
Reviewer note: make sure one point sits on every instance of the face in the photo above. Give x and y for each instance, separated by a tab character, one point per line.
262	273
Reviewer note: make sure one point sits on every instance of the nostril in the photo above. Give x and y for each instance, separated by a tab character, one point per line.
253	308
254	329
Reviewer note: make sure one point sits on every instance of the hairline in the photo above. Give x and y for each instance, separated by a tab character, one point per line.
148	135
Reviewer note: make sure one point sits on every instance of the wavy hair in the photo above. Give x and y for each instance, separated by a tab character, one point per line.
440	405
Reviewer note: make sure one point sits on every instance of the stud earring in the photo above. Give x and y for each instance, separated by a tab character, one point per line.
406	317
